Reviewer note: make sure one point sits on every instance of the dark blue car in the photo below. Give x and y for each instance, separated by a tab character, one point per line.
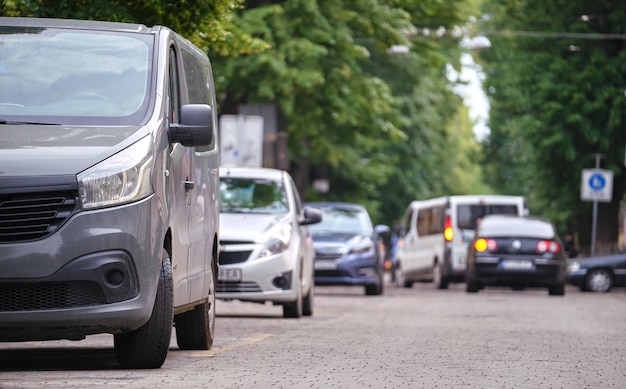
599	273
349	250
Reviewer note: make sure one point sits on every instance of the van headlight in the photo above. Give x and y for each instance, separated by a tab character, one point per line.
278	243
119	179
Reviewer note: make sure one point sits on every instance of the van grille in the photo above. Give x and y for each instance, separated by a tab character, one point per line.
15	297
30	216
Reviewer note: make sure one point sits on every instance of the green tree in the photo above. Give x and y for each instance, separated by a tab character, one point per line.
556	99
203	22
377	126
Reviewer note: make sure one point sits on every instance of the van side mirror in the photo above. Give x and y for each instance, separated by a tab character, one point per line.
195	127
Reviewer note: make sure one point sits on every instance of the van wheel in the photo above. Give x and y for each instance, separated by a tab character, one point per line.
440	281
400	280
147	346
195	329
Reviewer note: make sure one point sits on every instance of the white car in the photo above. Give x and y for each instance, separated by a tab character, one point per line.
266	250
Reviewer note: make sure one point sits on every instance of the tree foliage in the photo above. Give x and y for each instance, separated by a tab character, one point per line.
204	22
379	126
557	98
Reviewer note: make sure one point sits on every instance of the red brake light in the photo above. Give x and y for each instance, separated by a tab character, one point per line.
448	232
548	246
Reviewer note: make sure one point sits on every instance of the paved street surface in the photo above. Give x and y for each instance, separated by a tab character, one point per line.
407	338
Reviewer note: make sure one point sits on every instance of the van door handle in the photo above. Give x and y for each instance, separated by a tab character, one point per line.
189	185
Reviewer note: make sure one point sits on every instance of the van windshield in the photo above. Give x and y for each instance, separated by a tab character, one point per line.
67	76
468	214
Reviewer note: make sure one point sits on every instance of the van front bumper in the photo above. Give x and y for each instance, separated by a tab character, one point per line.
98	273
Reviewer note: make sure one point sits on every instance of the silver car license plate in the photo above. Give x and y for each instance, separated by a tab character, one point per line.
229	274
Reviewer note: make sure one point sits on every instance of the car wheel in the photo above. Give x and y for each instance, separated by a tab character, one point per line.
308	302
599	280
293	310
195	329
376	289
557	290
147	346
471	284
439	280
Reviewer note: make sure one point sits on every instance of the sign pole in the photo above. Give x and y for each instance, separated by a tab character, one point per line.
595	213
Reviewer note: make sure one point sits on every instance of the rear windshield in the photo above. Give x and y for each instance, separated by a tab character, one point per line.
64	76
468	214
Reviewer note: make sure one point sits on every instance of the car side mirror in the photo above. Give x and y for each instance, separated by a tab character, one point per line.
311	216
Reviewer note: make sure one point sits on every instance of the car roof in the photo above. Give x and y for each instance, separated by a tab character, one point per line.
76	24
252	172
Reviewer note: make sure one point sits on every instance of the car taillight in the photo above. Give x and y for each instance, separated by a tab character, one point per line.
551	246
482	245
448	232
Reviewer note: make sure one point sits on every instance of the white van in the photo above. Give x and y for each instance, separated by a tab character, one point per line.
436	233
109	186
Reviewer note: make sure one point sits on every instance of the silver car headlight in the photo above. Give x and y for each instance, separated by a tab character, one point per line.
120	179
278	242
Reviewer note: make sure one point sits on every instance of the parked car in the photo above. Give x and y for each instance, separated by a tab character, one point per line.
516	251
266	250
349	250
109	186
598	273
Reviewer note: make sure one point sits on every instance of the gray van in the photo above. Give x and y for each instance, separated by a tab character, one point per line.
109	186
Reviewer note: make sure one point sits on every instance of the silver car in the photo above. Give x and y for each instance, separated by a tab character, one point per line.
266	250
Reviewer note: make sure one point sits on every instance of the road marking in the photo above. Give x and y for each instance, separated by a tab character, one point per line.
245	342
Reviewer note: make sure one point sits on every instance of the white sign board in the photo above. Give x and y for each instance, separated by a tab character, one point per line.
241	140
596	185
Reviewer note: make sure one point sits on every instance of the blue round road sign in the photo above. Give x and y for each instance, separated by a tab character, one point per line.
597	182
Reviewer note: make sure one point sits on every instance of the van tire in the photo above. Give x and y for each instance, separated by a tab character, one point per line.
440	281
147	346
195	329
400	279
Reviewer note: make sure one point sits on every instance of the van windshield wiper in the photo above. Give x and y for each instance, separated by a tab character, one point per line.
3	121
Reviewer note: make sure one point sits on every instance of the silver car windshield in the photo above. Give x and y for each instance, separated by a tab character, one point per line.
65	76
245	195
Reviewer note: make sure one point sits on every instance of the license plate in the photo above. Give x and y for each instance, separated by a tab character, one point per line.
227	274
325	265
516	264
